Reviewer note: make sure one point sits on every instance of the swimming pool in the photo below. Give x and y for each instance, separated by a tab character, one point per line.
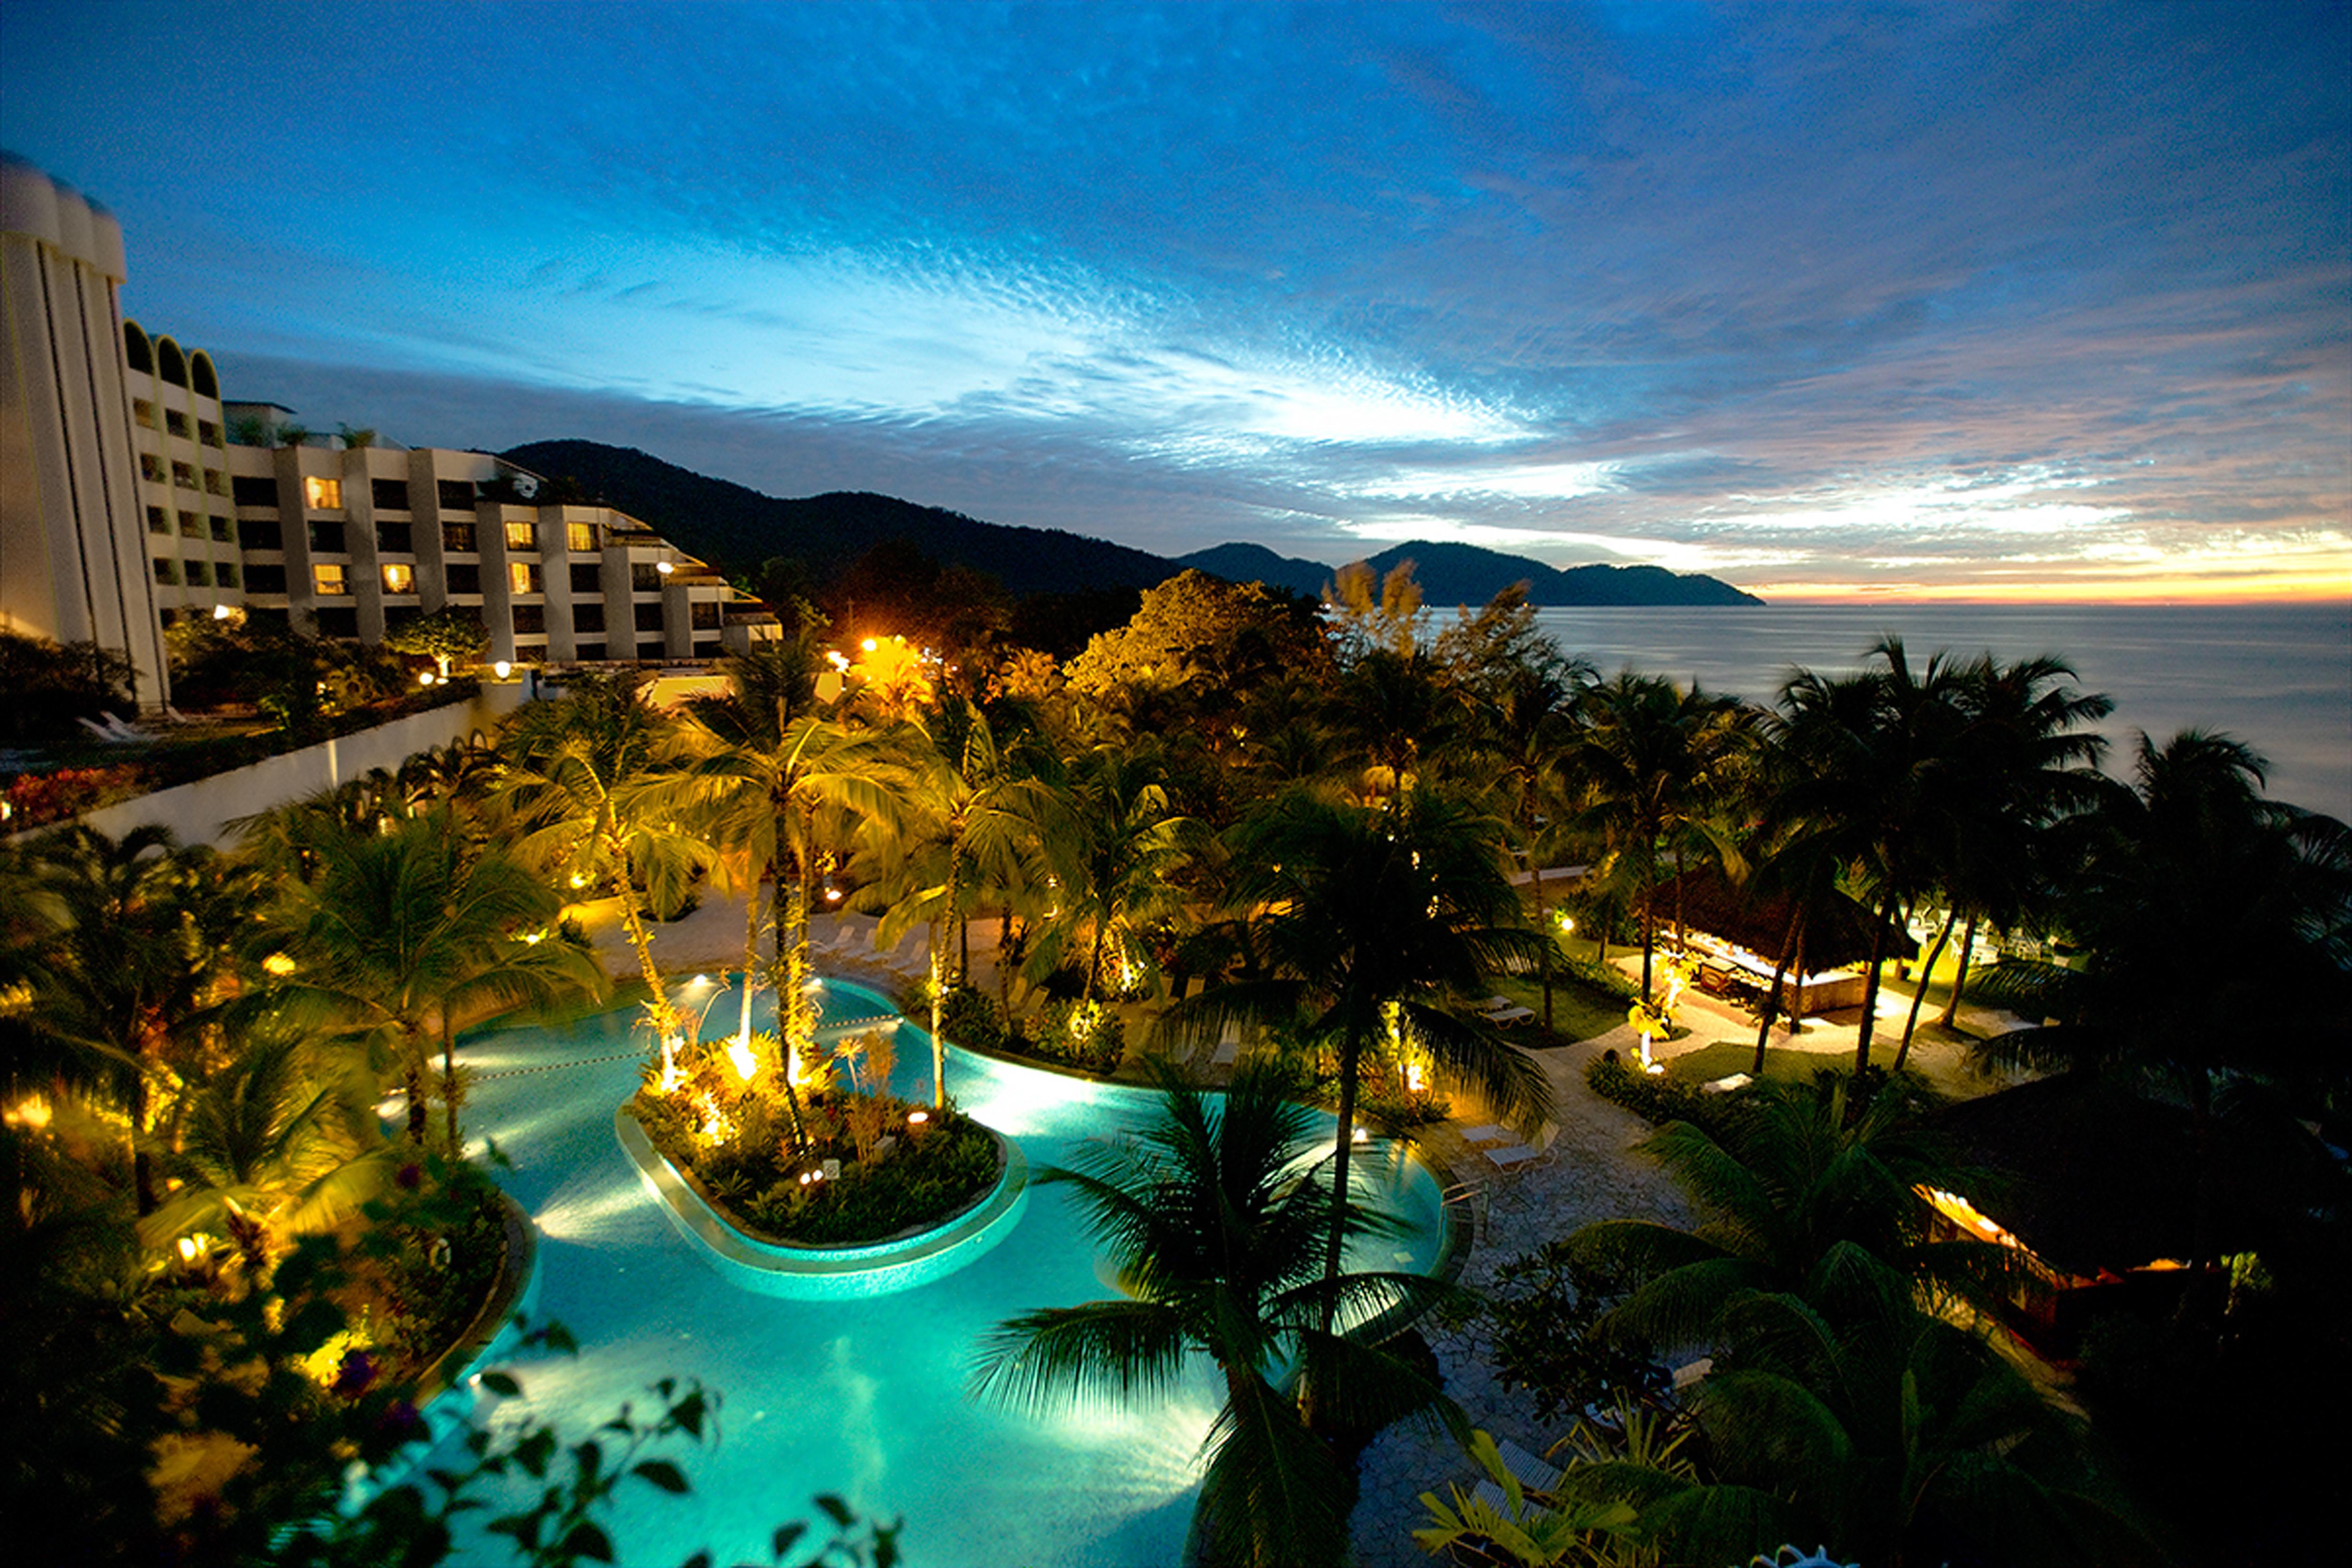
862	1398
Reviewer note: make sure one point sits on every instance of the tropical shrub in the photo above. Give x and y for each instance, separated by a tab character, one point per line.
734	1148
1655	1097
1083	1034
970	1019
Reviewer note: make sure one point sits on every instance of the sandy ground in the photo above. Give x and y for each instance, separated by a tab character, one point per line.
1586	1169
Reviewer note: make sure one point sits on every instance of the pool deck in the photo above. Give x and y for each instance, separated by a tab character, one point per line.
1582	1168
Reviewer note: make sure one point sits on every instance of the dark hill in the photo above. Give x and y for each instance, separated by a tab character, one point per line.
736	528
1465	574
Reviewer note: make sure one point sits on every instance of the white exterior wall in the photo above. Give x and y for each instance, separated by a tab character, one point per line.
73	558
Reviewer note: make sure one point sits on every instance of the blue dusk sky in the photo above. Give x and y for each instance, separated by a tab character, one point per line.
1934	301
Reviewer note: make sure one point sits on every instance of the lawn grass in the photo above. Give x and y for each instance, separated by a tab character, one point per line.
1725	1058
1579	1011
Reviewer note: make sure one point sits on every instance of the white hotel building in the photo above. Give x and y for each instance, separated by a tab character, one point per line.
125	504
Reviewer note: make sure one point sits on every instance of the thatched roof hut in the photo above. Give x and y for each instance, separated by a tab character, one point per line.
1837	935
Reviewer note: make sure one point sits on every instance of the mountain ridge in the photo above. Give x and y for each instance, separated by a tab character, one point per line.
736	527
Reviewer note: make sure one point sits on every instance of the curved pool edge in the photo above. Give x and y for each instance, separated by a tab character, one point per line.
837	1273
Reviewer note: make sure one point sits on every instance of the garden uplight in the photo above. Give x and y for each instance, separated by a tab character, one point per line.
279	964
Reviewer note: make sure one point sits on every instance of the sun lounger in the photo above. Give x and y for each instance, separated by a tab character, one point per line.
1496	1498
1692	1373
1725	1085
1508	1015
1510	1153
1487	1134
1528	1468
122	731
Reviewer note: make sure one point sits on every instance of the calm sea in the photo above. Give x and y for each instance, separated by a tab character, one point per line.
2276	677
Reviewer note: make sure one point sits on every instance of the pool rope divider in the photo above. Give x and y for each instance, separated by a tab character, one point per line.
799	1273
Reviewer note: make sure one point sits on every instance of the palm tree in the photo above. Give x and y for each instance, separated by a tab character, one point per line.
2190	857
1372	920
776	779
399	932
596	786
1802	1192
1115	866
128	944
267	1144
977	819
1883	777
1652	756
1526	714
1887	1434
1214	1228
2025	759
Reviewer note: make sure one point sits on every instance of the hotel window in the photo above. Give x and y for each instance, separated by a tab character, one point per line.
399	579
522	576
531	619
396	539
184	474
523	536
587	579
649	617
191	526
322	495
587	617
457	538
338	623
456	495
151	466
216	482
326	537
261	533
200	574
210	433
158	521
224	530
328	580
265	579
644	577
167	573
252	490
143	411
225	574
389	495
462	579
706	616
590	651
579	536
175	422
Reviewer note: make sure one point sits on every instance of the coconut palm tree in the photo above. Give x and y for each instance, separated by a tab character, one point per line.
397	933
1527	716
1803	1193
2025	759
123	945
1883	777
777	777
1885	1433
975	820
1652	756
1372	920
595	791
1113	868
1215	1229
2192	857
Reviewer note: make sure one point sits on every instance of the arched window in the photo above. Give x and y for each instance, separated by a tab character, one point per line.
200	368
174	365
136	351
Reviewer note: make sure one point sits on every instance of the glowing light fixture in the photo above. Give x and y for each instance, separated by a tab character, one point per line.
502	670
663	567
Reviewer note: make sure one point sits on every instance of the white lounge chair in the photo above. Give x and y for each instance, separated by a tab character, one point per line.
1491	1132
1509	1016
1528	1468
1510	1153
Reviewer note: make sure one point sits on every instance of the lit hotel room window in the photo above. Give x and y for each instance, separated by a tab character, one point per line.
324	495
399	579
522	575
523	536
328	580
579	536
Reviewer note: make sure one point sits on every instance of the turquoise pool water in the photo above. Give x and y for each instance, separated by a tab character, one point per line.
860	1397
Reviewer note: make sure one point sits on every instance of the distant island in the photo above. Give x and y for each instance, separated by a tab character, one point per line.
738	527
